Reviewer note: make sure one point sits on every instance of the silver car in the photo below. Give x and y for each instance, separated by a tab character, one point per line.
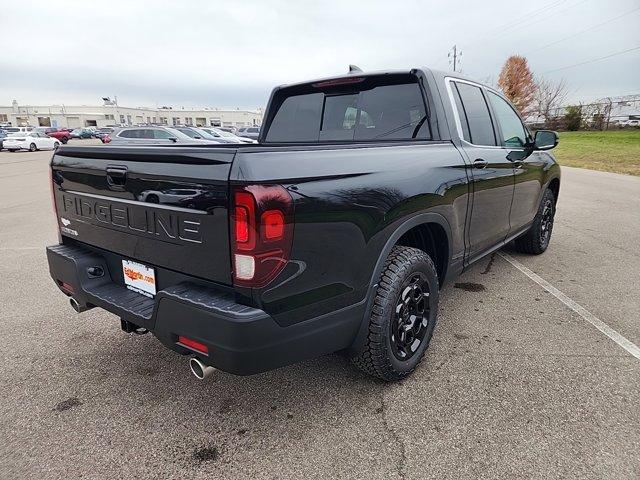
151	136
249	132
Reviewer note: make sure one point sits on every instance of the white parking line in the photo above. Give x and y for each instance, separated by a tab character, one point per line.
629	346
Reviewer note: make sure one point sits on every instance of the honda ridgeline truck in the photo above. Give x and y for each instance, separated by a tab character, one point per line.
365	194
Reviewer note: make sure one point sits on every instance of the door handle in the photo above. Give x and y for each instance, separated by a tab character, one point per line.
480	163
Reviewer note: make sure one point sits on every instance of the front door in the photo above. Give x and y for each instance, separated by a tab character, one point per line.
528	165
491	171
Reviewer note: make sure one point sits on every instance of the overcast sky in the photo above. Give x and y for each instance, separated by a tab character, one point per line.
231	53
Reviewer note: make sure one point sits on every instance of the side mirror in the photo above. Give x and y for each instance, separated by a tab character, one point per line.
545	140
173	139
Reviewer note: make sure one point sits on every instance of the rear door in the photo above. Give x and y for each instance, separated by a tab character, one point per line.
491	171
138	202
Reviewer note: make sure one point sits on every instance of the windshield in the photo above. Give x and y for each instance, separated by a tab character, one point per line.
189	132
204	134
222	133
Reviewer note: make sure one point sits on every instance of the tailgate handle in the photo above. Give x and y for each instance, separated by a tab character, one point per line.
116	177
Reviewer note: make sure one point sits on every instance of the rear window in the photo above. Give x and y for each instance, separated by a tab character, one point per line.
365	109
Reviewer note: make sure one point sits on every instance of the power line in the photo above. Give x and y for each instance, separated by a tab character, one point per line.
526	21
585	30
593	60
518	20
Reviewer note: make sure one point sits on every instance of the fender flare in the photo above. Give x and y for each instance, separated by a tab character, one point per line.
404	227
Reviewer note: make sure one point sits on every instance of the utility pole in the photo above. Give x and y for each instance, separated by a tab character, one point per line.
454	57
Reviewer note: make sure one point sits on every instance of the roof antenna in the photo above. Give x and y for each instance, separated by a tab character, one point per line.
354	69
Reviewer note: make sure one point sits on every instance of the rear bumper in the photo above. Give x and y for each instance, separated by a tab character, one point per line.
240	339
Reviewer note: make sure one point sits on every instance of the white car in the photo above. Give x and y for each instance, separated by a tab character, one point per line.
227	135
31	141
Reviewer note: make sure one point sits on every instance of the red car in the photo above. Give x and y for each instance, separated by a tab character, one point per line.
61	134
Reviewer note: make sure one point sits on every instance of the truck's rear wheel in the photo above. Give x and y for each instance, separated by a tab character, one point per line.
404	313
536	240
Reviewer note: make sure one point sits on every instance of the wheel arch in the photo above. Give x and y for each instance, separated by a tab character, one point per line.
554	186
408	233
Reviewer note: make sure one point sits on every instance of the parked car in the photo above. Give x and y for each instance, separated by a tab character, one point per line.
630	123
81	133
17	129
199	134
221	134
103	132
150	136
366	194
249	132
3	135
31	141
61	135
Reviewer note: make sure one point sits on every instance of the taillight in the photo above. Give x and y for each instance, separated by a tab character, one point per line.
261	233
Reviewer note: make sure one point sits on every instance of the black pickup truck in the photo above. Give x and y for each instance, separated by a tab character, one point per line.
365	194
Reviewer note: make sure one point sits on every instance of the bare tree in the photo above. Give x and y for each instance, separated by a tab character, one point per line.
517	83
548	97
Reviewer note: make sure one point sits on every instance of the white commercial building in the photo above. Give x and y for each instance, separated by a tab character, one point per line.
62	116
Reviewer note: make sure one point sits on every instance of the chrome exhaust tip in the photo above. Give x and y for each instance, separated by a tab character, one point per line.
199	369
80	308
75	305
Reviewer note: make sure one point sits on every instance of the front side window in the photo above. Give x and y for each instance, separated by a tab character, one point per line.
473	113
513	133
365	109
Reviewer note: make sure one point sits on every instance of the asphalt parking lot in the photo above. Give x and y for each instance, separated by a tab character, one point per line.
515	384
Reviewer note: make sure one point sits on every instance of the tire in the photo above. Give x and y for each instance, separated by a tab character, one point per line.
153	198
33	148
64	140
536	240
404	310
56	145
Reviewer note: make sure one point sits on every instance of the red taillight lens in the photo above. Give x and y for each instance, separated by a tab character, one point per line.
193	345
244	222
262	233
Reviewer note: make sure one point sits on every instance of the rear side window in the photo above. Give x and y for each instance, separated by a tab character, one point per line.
364	109
473	112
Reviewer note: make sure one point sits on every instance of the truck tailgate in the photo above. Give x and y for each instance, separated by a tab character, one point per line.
156	205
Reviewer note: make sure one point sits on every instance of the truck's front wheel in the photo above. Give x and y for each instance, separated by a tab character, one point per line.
536	240
404	313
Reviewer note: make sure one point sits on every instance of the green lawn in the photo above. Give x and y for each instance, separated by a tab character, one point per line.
612	151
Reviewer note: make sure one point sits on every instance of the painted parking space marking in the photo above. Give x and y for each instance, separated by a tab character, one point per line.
628	345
